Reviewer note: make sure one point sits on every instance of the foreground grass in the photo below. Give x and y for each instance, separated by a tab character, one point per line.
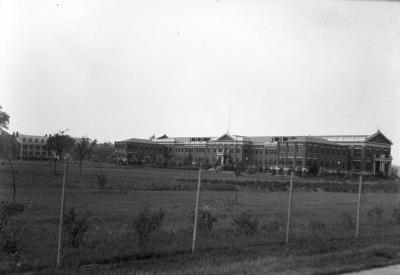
111	238
111	241
253	260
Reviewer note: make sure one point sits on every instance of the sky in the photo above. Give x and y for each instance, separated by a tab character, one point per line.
114	70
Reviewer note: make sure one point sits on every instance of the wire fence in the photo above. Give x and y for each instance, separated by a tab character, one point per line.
113	213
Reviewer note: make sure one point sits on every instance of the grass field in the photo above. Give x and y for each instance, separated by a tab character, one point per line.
321	227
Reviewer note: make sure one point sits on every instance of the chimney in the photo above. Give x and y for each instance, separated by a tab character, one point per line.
17	133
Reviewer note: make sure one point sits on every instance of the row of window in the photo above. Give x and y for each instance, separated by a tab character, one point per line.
32	140
32	147
204	150
326	150
31	153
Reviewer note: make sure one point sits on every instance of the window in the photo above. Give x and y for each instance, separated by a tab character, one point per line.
357	152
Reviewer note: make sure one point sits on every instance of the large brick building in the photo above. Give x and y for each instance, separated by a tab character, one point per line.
370	154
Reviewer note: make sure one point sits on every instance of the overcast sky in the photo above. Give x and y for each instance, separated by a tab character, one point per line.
113	70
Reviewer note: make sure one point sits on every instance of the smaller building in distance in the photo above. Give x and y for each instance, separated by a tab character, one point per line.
31	147
370	154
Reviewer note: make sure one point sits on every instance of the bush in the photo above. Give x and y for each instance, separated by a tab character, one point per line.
75	226
146	223
251	170
275	226
375	215
102	180
246	223
206	220
347	221
396	214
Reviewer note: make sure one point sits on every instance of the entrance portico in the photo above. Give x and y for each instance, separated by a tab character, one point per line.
222	158
381	165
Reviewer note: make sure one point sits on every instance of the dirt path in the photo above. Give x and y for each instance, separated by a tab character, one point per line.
389	270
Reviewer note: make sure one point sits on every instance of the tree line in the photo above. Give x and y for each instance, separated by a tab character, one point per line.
58	145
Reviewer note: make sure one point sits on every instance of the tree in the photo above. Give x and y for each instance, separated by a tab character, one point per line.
167	155
4	119
188	162
8	146
314	168
9	150
103	152
83	149
59	144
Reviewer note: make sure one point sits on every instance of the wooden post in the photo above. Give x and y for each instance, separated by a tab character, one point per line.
236	171
62	212
196	212
358	207
289	209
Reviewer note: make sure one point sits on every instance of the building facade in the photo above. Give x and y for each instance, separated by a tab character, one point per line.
31	147
370	154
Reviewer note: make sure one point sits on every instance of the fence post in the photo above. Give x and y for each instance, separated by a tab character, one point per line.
62	212
358	206
196	211
289	209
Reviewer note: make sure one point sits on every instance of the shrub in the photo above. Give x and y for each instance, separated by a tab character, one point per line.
76	227
206	220
251	170
347	221
396	214
275	226
246	223
146	223
102	180
375	215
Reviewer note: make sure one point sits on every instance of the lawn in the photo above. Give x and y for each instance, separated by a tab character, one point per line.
322	222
